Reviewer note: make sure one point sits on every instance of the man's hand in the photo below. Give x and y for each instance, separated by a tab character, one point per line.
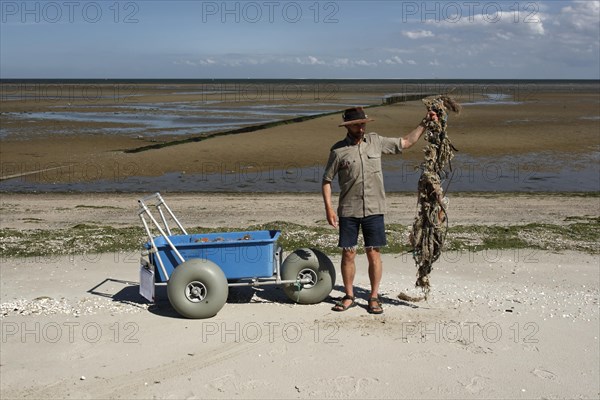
332	218
431	116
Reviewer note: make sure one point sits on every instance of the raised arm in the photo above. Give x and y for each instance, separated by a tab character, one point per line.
412	138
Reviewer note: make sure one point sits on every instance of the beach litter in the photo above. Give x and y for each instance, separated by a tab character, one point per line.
431	223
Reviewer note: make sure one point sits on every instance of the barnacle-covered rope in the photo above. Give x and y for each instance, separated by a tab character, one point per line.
430	225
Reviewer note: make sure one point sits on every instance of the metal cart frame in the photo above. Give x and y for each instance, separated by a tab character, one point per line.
304	270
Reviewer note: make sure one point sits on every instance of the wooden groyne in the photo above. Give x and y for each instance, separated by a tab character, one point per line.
402	97
387	100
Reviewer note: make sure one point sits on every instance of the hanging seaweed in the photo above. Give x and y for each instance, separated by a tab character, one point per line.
430	225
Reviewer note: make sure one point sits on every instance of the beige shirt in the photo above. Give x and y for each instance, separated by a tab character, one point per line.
360	177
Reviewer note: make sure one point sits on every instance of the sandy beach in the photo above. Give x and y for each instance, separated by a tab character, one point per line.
510	323
501	328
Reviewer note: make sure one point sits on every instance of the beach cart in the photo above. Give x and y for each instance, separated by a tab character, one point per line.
198	269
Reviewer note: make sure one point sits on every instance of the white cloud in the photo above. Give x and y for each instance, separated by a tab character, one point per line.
544	40
397	61
309	60
579	22
394	60
365	63
398	51
341	62
241	60
518	22
504	35
195	63
229	60
420	34
582	15
208	61
545	37
314	60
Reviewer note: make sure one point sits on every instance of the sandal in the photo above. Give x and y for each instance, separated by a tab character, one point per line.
374	306
339	306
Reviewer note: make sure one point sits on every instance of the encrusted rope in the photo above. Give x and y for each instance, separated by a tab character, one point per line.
430	225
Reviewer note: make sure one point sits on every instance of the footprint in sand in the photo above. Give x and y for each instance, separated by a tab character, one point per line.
544	374
477	384
343	387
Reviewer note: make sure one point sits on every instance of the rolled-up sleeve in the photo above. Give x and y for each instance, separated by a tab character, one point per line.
331	168
390	145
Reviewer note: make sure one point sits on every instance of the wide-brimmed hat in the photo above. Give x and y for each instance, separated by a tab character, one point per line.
355	115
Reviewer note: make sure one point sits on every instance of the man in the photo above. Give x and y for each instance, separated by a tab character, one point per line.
356	160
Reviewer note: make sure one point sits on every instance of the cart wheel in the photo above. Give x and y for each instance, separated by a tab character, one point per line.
197	289
308	264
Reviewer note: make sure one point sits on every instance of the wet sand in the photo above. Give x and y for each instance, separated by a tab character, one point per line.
559	124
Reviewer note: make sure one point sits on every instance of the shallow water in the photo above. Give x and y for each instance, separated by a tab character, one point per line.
168	119
506	174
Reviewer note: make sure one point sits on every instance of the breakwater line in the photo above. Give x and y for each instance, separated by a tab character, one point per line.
386	100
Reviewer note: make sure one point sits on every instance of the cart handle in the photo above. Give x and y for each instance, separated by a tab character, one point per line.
144	210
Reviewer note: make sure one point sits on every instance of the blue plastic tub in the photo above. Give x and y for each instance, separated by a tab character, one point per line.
240	255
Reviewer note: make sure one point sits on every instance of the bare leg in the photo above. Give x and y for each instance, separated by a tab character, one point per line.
375	272
348	272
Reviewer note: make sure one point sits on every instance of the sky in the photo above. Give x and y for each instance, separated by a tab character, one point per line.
342	39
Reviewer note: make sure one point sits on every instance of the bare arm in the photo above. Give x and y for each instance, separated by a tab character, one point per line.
412	138
329	211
